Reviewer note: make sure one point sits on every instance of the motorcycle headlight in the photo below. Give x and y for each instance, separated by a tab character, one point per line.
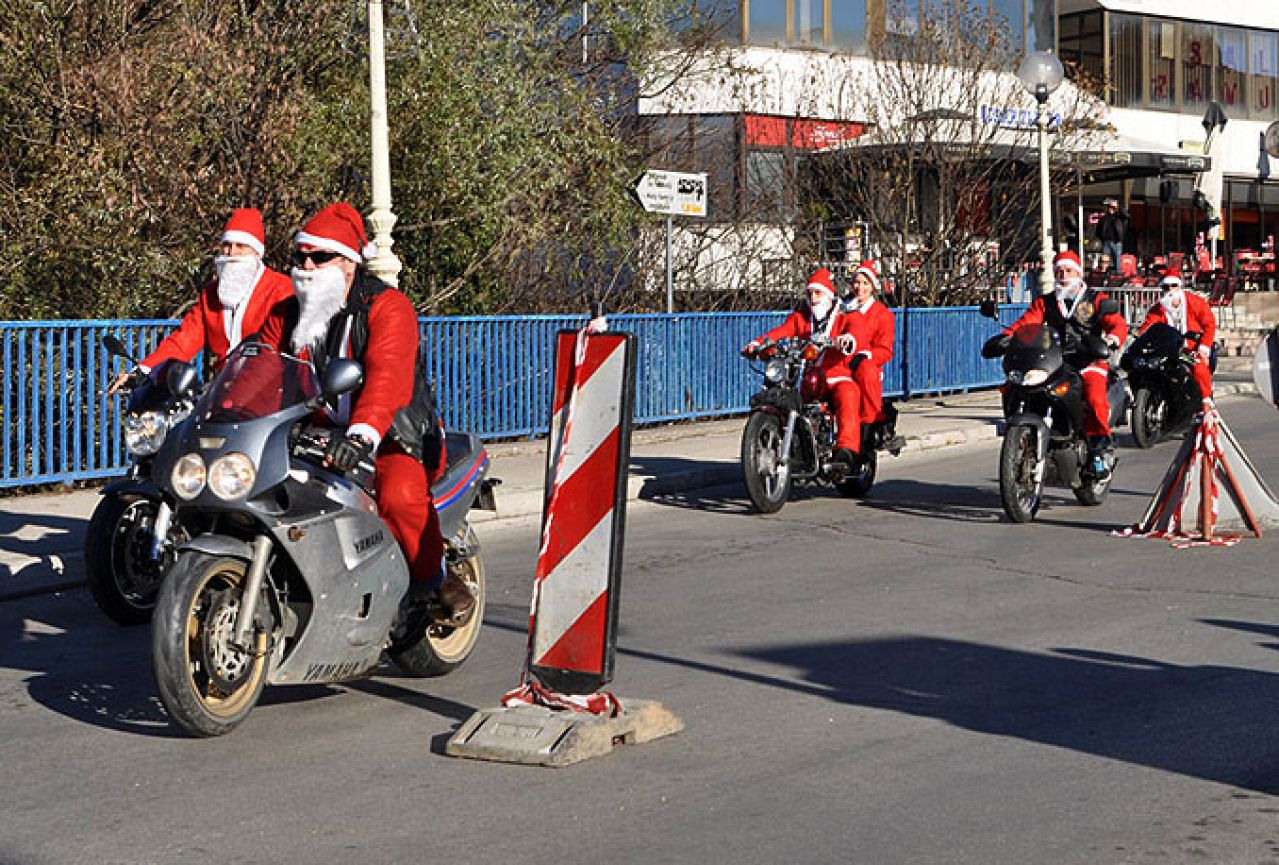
144	433
775	372
1034	377
231	476
188	476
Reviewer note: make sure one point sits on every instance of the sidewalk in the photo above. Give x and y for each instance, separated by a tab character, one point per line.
42	536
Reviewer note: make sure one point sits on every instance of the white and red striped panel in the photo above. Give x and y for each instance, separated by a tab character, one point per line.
574	616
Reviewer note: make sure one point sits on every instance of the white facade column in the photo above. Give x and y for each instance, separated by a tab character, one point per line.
385	265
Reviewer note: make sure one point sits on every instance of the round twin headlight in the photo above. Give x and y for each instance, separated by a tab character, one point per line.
188	476
144	433
231	476
775	372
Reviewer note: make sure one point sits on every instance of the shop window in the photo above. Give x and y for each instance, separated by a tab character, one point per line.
1161	55
1197	55
1232	70
1262	74
765	186
1125	52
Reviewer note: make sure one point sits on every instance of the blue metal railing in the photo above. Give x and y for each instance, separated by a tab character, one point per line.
492	375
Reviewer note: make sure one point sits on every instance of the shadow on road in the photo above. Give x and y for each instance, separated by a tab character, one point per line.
1210	722
31	551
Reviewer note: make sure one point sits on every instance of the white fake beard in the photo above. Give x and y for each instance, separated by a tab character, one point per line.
237	274
821	309
1068	289
1174	312
321	293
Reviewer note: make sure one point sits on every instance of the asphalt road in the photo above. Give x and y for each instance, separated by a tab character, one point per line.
909	679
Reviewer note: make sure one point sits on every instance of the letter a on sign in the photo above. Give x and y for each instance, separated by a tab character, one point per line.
573	621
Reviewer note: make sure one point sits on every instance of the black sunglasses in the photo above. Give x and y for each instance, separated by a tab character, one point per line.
318	256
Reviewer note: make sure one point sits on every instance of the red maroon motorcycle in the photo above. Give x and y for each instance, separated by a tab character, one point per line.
790	434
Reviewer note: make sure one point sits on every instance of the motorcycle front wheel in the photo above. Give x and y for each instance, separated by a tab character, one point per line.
207	684
766	475
1149	416
442	648
857	485
1021	487
121	574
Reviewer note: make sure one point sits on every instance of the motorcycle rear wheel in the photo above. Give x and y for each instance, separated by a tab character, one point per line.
857	485
768	481
1149	418
1020	492
122	577
207	685
440	649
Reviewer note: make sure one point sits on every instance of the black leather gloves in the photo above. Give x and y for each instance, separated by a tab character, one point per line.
347	452
996	345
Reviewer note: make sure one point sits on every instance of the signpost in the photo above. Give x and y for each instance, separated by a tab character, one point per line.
672	193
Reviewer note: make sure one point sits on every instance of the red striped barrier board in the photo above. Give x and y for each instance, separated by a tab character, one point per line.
573	621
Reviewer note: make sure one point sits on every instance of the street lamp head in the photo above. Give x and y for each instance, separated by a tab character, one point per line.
1040	73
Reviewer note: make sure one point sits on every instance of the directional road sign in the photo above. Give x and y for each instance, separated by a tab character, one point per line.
672	193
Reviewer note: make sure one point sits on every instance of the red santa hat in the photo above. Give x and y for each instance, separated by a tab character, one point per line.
245	226
1171	279
822	279
867	269
1068	258
338	228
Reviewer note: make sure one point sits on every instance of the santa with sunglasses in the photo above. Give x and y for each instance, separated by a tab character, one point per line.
246	297
345	311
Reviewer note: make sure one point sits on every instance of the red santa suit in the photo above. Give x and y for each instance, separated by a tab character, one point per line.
1062	306
1191	315
874	328
832	367
384	321
211	325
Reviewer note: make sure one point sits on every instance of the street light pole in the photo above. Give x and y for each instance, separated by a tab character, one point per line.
385	265
1041	73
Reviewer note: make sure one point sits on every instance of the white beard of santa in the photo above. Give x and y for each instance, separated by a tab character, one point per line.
321	294
1174	304
1069	288
237	274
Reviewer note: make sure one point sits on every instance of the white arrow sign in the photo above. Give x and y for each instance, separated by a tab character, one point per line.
672	193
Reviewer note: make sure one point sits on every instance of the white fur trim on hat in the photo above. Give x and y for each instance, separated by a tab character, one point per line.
1170	282
331	245
247	239
869	274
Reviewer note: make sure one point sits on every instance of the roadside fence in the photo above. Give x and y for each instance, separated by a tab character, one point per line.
492	376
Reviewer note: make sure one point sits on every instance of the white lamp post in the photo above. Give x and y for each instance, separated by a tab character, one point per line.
385	264
1041	74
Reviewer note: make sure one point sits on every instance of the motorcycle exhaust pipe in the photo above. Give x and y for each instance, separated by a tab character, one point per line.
252	588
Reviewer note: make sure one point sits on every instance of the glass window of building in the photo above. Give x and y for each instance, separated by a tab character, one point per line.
765	185
1082	46
1197	56
715	152
767	24
1232	70
809	19
1262	73
1125	51
848	25
1161	55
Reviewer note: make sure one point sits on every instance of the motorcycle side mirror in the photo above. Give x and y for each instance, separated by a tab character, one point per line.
180	378
342	375
113	345
1109	306
989	309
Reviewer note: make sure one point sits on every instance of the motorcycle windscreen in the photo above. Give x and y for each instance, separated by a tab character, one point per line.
1035	347
256	381
1159	340
573	626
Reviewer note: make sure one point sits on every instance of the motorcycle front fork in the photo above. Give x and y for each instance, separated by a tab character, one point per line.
252	589
160	530
787	438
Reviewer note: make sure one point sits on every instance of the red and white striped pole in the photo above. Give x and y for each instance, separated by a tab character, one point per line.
573	618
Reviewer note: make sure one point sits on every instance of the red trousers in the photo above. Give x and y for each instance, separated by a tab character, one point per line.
1096	403
856	401
404	501
1203	377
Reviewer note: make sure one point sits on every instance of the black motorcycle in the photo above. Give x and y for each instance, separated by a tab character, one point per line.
132	536
1165	395
1044	417
790	434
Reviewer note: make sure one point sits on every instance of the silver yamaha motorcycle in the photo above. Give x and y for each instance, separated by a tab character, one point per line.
296	580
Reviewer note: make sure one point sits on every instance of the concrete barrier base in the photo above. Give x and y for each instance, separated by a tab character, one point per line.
535	735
